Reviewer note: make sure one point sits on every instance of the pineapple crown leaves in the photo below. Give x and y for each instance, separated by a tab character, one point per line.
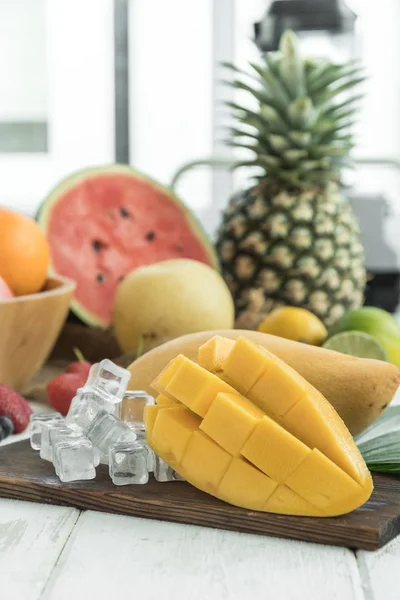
299	131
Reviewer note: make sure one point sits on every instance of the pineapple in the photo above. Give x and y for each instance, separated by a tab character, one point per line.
292	238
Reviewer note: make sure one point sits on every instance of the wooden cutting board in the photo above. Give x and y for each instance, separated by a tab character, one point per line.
24	476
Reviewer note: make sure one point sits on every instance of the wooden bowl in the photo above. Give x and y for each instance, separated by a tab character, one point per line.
29	327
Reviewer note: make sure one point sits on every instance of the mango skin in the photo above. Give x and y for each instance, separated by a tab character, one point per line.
358	388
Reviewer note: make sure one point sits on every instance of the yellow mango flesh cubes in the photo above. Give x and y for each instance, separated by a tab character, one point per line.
191	384
268	442
301	410
212	355
163	399
273	450
239	417
206	460
173	429
246	486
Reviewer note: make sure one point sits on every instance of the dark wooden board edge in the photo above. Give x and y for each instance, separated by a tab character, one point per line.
367	528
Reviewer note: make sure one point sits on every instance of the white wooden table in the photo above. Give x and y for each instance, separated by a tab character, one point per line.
57	553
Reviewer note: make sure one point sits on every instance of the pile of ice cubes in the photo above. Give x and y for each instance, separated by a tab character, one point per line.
104	425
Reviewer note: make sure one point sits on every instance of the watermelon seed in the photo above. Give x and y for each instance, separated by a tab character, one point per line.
150	236
124	213
100	278
179	248
97	245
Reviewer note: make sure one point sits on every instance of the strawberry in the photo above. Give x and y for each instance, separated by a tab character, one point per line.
15	407
62	388
80	368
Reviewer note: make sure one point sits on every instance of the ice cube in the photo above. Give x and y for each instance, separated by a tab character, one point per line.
74	460
84	408
132	407
36	422
163	472
109	380
46	451
128	463
106	430
66	433
151	457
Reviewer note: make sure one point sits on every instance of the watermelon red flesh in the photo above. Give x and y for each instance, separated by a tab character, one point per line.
109	224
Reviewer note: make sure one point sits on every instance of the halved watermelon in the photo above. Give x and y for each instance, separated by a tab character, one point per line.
103	222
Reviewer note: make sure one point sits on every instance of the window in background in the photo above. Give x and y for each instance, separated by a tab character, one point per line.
57	73
23	81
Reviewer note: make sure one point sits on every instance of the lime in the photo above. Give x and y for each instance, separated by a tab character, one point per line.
358	344
376	322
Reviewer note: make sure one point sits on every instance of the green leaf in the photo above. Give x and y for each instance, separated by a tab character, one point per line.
238	133
323	126
235	144
343	114
316	69
332	75
269	161
331	110
300	138
291	65
278	142
258	69
330	93
302	112
240	85
327	76
310	165
329	150
295	155
274	86
270	114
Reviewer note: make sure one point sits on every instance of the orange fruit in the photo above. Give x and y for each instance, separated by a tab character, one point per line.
24	253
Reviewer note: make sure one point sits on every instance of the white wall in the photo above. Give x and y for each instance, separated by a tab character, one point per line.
23	80
171	58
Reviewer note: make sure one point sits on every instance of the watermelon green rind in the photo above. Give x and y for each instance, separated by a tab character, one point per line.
44	212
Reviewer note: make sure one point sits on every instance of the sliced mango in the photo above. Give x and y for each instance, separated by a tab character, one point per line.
246	486
273	450
163	399
173	429
298	407
299	460
212	355
191	384
317	424
325	485
166	374
205	460
230	420
244	373
283	497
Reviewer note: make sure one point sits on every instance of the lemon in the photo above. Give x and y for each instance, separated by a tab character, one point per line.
378	323
296	324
